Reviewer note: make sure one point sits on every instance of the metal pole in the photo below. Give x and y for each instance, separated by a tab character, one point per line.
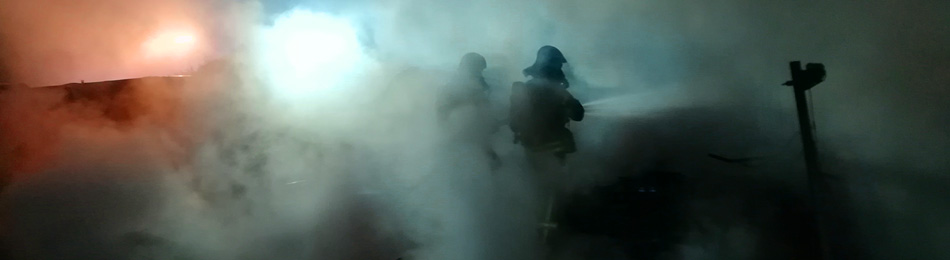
808	138
803	80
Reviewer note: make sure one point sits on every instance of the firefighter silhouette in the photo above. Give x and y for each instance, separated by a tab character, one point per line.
542	107
467	98
468	86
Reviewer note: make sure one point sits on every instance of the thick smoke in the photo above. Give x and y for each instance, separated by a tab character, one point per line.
228	166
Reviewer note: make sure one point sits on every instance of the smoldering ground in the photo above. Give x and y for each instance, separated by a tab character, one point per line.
266	180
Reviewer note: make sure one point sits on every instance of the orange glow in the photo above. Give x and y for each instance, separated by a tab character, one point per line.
183	39
170	45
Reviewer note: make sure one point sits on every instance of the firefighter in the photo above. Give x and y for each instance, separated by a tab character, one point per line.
468	87
466	99
542	107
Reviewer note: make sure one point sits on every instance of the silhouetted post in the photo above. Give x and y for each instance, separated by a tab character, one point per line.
803	80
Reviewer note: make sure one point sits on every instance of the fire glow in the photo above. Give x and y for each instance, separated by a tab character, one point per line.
169	45
184	39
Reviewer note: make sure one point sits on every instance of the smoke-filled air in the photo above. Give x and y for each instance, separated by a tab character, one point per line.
422	129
